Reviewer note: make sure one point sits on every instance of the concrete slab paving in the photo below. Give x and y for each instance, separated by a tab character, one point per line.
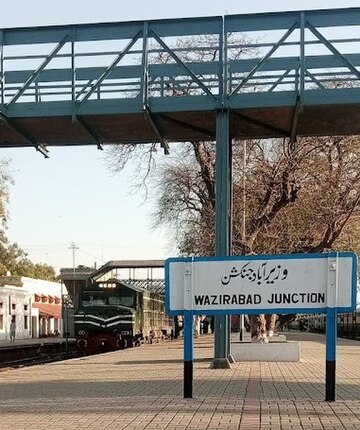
141	388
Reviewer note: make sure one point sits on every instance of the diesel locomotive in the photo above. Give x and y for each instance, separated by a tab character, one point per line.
116	314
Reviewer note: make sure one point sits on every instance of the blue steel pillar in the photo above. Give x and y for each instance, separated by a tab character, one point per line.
222	225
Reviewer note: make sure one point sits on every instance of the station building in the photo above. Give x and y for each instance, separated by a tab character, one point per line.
34	304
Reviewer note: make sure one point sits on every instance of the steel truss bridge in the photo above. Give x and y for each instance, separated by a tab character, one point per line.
273	75
276	74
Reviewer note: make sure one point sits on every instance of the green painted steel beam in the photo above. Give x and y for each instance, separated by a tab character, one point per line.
37	72
281	20
276	99
111	67
120	72
222	225
180	27
320	62
112	31
29	140
263	61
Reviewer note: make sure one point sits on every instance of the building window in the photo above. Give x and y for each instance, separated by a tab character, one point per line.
13	306
1	322
1	305
25	322
25	307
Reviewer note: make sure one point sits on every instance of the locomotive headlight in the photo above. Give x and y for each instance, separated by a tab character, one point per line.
106	285
81	332
82	343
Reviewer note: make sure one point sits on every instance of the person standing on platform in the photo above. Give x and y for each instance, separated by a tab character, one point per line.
12	330
206	324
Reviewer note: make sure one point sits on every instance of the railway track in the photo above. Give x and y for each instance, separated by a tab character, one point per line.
36	360
37	352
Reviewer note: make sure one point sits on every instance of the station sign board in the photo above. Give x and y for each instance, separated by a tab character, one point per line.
291	283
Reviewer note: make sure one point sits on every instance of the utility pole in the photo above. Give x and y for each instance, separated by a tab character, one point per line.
74	247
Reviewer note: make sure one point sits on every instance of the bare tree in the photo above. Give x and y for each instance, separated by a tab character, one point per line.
298	199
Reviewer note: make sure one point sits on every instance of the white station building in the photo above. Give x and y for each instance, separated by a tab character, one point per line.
34	305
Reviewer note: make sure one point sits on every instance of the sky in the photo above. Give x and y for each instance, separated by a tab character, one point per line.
72	196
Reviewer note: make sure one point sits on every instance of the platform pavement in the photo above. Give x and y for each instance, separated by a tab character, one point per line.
141	388
18	343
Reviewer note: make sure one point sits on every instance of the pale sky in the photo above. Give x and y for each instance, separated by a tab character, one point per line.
72	196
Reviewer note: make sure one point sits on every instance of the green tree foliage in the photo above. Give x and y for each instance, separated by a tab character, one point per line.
14	260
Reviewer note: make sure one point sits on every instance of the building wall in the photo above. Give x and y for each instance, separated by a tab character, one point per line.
40	286
15	303
35	320
45	326
16	300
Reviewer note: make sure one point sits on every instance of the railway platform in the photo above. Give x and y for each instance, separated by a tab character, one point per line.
19	343
25	351
141	388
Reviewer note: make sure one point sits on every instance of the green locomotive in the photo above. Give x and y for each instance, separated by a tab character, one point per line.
116	314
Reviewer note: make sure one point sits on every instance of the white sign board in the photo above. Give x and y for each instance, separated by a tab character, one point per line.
292	283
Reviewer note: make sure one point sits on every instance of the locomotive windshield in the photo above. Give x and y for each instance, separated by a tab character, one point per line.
100	295
94	299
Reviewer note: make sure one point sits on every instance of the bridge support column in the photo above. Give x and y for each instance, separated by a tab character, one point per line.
222	225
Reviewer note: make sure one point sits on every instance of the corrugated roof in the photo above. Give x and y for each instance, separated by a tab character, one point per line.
153	285
80	274
48	310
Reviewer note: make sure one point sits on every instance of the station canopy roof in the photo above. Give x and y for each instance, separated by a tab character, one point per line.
48	310
156	286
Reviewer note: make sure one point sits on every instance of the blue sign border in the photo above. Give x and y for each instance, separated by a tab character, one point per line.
320	310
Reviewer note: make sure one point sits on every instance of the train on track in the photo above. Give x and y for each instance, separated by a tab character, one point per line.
116	314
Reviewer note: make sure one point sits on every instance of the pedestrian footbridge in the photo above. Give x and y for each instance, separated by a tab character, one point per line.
274	74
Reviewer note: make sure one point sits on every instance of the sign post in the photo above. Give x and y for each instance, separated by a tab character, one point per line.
330	370
331	330
188	354
262	284
188	330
